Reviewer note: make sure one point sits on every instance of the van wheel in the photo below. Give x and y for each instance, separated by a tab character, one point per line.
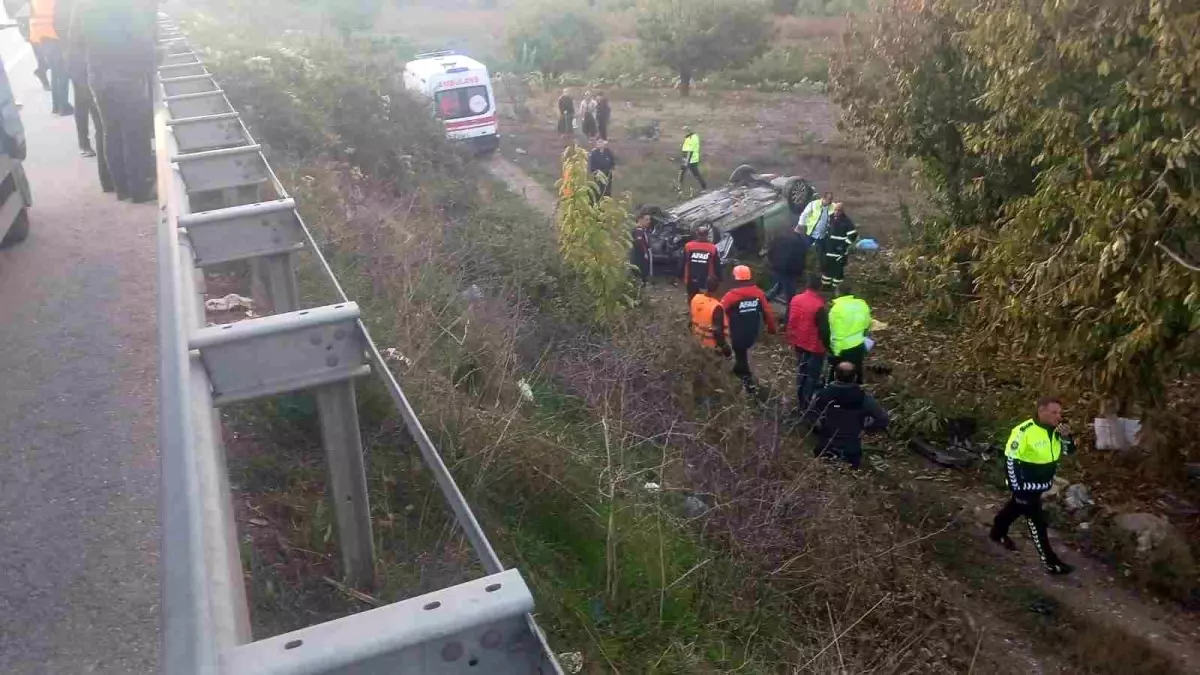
798	193
19	230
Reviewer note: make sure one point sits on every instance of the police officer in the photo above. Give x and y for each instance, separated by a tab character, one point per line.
849	321
701	262
1032	453
840	413
746	309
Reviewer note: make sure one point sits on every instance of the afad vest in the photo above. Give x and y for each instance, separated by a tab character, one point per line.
702	313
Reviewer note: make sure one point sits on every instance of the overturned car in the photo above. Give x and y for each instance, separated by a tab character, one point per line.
742	216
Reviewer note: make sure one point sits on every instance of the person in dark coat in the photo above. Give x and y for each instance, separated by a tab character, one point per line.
840	413
86	113
602	160
746	310
117	39
566	113
840	239
639	253
603	115
786	256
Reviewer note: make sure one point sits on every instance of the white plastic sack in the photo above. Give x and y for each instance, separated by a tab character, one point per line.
1106	433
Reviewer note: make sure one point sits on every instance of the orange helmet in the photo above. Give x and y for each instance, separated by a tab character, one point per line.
742	273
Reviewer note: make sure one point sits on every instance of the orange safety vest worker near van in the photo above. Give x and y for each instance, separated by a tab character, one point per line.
708	318
45	41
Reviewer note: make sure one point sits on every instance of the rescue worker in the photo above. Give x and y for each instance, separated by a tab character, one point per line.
1032	453
840	237
639	253
814	219
690	160
708	318
701	262
746	309
840	413
808	334
708	326
786	257
849	322
45	39
18	11
117	39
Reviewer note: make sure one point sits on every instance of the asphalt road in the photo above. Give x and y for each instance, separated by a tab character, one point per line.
78	460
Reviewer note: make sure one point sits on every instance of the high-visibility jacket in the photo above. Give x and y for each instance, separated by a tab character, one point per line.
1032	453
708	320
812	215
691	148
849	321
41	21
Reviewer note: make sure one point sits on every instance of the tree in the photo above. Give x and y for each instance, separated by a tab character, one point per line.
694	37
553	40
594	239
1063	141
352	16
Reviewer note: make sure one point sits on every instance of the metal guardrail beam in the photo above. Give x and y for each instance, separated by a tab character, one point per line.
208	163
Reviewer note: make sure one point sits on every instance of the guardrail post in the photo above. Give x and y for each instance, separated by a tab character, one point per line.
274	279
347	490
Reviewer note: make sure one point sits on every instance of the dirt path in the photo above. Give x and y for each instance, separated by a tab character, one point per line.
521	183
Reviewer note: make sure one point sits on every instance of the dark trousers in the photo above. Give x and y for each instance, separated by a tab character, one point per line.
602	125
833	269
784	287
809	369
855	355
41	70
60	80
826	448
695	169
1028	504
741	368
86	116
126	123
693	288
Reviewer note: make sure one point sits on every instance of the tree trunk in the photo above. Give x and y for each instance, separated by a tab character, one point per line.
685	81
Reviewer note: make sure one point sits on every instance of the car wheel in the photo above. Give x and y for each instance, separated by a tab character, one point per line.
19	230
798	193
742	175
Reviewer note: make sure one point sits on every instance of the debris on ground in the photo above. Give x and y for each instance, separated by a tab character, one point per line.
956	456
1078	498
571	662
1151	531
391	354
693	506
1116	433
526	390
229	303
472	293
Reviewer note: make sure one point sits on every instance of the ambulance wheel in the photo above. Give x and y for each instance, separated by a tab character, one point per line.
19	230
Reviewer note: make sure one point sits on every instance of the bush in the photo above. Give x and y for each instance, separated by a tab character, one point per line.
693	38
782	66
554	39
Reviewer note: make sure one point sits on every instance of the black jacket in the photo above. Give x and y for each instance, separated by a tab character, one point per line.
786	253
841	235
839	414
601	160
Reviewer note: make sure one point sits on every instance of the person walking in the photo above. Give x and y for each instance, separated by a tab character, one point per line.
841	412
117	40
849	322
601	160
711	347
639	253
87	116
690	160
566	113
45	39
808	334
603	115
1032	454
840	238
18	11
746	310
587	115
701	262
786	256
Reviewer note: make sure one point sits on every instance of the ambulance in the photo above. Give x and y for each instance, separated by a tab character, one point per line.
462	96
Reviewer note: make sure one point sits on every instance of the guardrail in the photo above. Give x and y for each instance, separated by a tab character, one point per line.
212	179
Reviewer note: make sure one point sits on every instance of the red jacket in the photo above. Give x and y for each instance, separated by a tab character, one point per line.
746	308
701	260
808	322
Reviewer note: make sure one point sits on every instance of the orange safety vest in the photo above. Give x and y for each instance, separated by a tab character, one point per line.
702	323
41	21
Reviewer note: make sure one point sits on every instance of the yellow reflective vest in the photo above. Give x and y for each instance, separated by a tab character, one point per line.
1031	443
691	148
849	321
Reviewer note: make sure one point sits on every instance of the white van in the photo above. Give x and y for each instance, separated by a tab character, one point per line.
462	96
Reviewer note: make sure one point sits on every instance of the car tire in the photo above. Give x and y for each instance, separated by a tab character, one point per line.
19	230
798	193
742	175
